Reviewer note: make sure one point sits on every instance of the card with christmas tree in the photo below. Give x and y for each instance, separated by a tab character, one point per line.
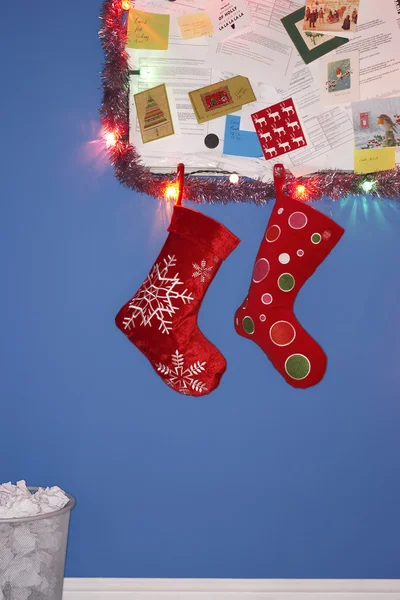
154	114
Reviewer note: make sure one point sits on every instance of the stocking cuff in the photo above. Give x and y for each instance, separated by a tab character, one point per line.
207	233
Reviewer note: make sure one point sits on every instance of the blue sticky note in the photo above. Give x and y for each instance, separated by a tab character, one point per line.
240	143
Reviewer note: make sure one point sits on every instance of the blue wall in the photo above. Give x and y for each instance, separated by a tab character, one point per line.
256	480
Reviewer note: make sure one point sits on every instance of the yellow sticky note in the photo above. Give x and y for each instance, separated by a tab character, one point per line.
195	25
372	160
147	31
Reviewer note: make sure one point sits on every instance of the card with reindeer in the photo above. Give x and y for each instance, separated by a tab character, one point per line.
279	129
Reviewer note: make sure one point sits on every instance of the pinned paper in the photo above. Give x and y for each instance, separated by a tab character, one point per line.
228	17
376	123
279	129
153	113
309	44
147	31
337	18
370	161
195	25
238	142
221	98
339	78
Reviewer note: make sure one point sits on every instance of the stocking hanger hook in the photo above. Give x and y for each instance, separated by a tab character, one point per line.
180	173
279	176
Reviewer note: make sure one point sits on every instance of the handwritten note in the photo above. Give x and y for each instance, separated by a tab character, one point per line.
195	25
370	161
238	142
147	31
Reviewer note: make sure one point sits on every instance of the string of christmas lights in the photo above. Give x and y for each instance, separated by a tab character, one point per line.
228	187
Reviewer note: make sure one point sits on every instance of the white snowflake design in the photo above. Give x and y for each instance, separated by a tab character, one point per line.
180	378
202	271
158	298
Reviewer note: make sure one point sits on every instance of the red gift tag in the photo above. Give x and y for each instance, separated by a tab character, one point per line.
278	128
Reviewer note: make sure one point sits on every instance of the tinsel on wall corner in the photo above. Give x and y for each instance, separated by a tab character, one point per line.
130	171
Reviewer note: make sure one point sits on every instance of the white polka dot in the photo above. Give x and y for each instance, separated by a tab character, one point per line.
300	252
280	211
237	321
284	258
262	318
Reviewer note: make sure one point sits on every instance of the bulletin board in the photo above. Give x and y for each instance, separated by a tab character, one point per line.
229	89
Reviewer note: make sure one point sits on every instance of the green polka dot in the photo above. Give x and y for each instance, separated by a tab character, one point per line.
316	238
286	282
248	325
297	366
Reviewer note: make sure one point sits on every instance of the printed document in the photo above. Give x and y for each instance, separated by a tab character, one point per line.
378	42
329	132
266	53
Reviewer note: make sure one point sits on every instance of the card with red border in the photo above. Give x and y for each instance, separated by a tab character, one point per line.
279	129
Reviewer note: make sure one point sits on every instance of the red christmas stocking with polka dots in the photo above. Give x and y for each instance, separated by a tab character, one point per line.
161	318
297	239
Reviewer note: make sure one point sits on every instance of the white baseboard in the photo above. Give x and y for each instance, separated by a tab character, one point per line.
231	589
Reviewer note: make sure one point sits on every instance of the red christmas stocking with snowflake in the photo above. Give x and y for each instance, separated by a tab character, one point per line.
161	318
297	239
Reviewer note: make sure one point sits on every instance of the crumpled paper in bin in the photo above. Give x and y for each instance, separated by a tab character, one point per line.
16	501
27	549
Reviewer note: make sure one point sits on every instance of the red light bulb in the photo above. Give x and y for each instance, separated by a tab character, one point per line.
301	191
171	192
111	138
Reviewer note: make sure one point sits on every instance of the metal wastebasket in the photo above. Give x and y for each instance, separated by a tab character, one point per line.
32	555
